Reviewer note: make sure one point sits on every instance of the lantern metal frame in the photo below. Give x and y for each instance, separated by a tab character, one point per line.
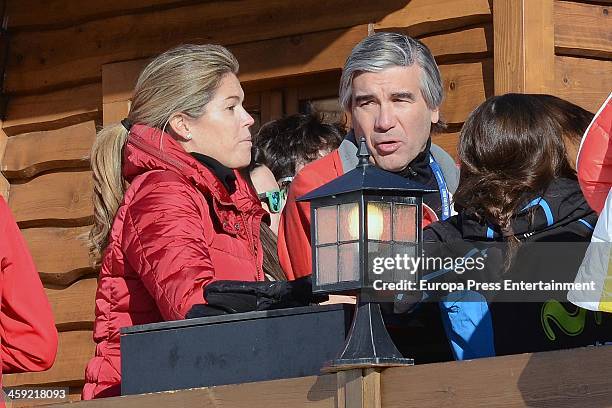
368	343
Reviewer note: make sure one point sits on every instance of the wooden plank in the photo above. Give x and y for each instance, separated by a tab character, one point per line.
420	17
3	142
449	142
73	307
114	112
53	198
310	392
4	187
524	46
35	15
4	184
259	61
582	81
352	382
74	351
69	257
271	106
474	42
568	378
54	110
303	54
371	388
583	29
466	86
32	153
73	55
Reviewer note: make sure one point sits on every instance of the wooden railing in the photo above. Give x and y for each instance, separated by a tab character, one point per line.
568	378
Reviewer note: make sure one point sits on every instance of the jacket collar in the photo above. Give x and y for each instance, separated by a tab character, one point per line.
149	149
560	204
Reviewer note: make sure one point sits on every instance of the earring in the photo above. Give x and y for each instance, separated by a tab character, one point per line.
188	136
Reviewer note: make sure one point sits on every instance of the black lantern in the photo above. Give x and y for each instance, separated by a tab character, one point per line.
365	215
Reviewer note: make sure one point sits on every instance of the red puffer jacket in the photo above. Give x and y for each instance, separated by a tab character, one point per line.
595	158
28	338
177	230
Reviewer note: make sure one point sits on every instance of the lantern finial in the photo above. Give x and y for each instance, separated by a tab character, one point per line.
363	154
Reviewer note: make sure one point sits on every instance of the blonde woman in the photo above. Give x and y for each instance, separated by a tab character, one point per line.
173	216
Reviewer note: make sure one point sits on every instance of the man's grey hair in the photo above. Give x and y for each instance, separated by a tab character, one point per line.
386	50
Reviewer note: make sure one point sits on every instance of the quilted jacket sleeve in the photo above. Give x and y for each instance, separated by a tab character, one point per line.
595	158
27	327
164	242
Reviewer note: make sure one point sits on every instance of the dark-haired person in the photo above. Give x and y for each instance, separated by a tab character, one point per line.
517	188
28	338
286	145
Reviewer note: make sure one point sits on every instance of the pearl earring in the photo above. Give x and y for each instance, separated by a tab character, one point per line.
188	136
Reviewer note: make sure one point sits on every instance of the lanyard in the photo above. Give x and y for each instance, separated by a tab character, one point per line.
444	197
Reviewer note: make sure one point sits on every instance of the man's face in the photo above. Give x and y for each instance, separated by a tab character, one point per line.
389	111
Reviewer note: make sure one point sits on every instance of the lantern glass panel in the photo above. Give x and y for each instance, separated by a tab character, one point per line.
379	221
349	221
404	223
327	268
348	262
327	224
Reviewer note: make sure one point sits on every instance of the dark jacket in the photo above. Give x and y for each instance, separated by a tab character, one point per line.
553	232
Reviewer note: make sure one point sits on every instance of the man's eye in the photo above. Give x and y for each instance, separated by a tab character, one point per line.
366	103
231	107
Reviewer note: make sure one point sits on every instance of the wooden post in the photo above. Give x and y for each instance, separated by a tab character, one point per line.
524	48
271	106
359	388
4	184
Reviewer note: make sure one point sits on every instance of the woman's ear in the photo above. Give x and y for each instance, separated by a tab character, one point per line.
179	126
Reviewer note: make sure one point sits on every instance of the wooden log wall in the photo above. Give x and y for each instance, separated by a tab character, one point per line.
552	46
72	65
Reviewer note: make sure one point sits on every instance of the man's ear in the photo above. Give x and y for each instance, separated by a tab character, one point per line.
179	126
435	115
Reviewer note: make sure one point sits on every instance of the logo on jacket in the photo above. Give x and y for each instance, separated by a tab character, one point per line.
571	323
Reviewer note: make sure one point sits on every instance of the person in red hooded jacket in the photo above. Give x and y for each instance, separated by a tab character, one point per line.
595	158
176	225
27	328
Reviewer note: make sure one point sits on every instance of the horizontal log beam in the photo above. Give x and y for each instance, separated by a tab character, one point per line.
53	198
585	82
54	110
32	153
73	307
465	86
583	29
57	58
74	351
70	251
421	17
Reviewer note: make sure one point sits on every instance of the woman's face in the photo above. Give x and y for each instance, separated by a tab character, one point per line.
222	132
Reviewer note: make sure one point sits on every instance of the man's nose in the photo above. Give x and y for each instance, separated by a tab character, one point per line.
385	120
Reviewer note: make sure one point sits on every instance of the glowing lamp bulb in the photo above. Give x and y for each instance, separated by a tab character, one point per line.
375	222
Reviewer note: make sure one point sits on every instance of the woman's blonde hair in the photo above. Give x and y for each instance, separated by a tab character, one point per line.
183	79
